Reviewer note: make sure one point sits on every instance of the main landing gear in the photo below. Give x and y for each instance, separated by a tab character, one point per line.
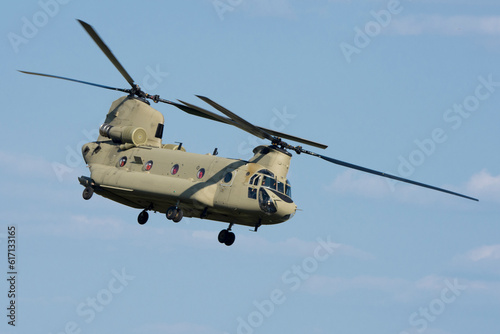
226	236
143	217
174	214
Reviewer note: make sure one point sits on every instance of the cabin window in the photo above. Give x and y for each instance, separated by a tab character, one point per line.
175	169
228	177
122	161
148	165
201	173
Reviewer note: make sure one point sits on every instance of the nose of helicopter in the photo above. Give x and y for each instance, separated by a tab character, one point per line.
286	210
278	206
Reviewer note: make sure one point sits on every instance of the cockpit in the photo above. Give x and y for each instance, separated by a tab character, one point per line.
272	195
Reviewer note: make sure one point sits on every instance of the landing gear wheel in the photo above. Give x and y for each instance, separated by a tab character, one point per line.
230	239
222	236
226	237
174	214
171	212
143	217
87	193
178	216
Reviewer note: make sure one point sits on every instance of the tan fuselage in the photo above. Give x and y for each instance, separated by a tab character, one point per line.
132	167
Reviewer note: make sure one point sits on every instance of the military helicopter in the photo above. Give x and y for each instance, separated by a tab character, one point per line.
129	164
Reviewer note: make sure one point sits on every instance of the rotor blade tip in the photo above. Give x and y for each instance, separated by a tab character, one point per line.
83	23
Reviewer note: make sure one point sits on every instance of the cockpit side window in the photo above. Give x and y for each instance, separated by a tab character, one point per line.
288	189
281	187
257	181
252	193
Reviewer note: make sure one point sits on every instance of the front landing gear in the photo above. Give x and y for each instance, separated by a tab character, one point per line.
143	217
226	236
87	193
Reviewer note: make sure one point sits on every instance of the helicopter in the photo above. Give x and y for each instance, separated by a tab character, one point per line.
129	164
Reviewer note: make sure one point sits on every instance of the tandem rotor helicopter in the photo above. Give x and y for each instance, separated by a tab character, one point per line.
129	164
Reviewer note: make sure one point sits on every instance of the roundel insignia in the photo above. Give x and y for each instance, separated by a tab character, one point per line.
122	161
201	173
175	169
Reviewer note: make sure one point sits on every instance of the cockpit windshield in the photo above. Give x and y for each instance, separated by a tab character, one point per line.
266	172
269	181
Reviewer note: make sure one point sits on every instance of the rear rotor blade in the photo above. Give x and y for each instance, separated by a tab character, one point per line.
200	112
371	171
104	48
79	81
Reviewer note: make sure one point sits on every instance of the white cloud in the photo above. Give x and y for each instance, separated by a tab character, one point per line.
490	252
254	243
400	290
319	284
83	227
166	237
25	165
371	186
441	25
430	282
295	247
480	260
485	186
356	183
32	167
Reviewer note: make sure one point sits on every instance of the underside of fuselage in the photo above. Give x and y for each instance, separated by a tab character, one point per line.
192	209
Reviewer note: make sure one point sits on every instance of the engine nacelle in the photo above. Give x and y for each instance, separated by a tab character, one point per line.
124	134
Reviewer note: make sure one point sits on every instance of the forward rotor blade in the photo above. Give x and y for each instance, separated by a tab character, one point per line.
371	171
79	81
200	112
104	48
238	121
295	139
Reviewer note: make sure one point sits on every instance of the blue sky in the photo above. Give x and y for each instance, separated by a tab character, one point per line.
409	87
